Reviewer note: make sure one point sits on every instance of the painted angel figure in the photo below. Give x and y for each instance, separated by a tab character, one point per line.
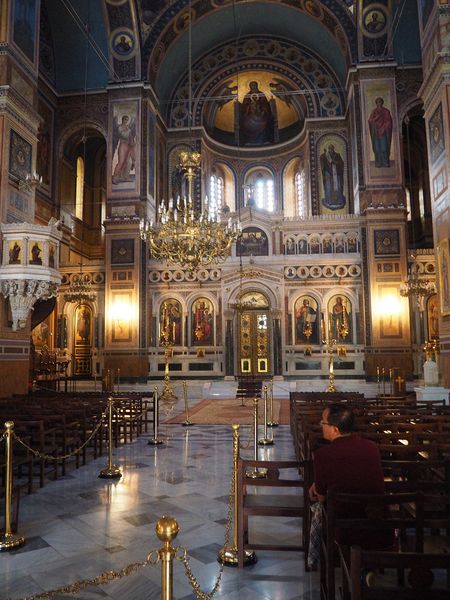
124	140
280	90
226	93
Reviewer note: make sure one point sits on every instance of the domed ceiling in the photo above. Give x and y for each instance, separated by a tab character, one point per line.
157	32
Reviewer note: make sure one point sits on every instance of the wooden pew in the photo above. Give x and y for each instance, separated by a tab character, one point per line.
254	499
378	517
423	570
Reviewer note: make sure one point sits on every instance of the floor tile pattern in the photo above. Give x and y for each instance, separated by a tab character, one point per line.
80	525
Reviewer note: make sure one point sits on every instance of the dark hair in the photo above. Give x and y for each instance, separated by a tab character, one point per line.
341	415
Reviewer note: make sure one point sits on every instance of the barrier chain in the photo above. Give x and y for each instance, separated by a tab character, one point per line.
38	454
101	579
248	443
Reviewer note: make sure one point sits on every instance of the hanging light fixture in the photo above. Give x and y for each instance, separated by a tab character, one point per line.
80	289
182	235
414	286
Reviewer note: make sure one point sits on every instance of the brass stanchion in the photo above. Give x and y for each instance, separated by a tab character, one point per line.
118	381
9	539
271	422
111	471
229	555
167	529
265	441
186	422
384	381
155	441
255	473
378	381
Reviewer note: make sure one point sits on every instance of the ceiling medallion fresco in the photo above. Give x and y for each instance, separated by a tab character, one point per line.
165	29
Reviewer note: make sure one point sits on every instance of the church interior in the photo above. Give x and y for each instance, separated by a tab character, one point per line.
212	195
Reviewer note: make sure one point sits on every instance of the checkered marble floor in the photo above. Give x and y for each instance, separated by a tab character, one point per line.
80	526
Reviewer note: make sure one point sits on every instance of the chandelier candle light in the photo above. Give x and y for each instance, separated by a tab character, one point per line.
414	286
181	235
185	238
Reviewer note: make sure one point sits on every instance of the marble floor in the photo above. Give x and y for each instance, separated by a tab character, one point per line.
80	526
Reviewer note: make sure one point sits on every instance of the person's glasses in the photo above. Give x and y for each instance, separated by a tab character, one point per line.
324	423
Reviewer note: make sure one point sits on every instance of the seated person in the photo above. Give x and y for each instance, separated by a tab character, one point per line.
352	465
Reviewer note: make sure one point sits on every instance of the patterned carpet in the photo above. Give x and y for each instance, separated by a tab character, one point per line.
226	412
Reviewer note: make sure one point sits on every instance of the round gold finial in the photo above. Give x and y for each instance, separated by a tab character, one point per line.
167	529
235	426
9	424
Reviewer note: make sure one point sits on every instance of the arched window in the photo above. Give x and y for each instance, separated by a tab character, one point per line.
79	193
300	193
216	194
260	188
408	204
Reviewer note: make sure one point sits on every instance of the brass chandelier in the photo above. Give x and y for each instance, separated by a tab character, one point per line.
182	235
413	286
80	290
190	240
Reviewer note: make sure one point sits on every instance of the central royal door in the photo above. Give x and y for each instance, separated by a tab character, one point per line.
254	335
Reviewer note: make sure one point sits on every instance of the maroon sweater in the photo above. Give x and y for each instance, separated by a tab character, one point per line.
351	464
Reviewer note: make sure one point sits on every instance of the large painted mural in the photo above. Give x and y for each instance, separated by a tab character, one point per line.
254	107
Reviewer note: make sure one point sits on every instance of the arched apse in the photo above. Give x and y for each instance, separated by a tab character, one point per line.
328	27
295	80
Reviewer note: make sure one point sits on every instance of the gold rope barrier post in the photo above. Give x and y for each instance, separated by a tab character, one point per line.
155	441
9	539
271	422
111	471
255	473
118	381
265	441
167	529
229	555
187	422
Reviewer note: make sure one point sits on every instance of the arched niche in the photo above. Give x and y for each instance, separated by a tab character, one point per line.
308	324
82	176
